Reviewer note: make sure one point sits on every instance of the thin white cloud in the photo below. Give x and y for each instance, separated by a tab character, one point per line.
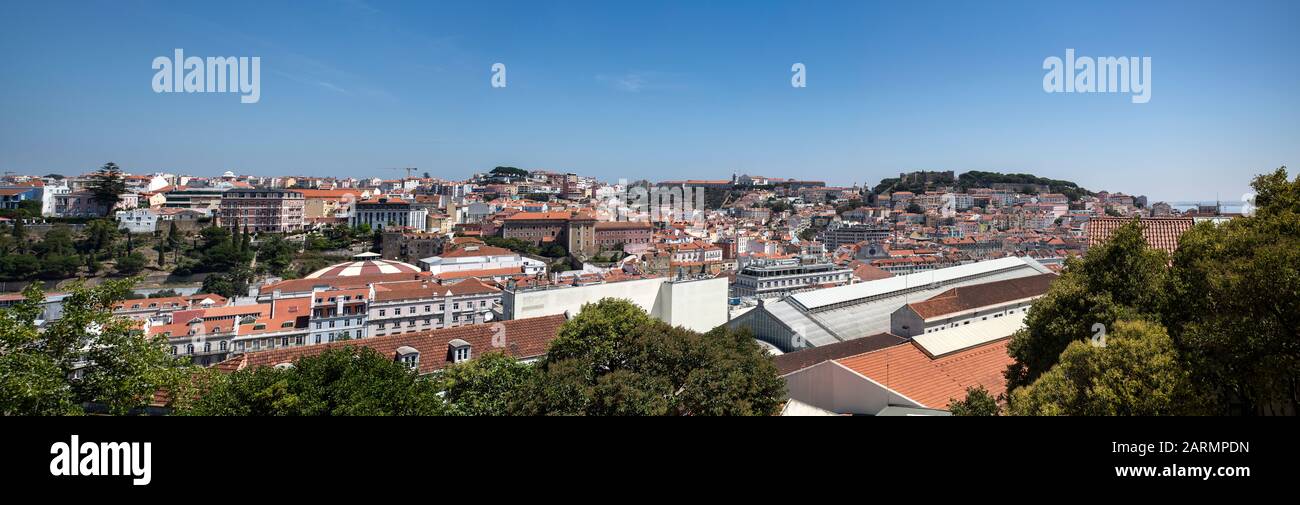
331	86
638	81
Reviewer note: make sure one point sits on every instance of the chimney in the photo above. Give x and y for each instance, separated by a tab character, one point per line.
275	295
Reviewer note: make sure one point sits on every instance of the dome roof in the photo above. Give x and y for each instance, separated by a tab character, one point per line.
365	264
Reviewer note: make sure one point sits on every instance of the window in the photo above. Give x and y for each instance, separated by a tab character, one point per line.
381	312
381	326
428	308
317	339
397	311
223	345
189	349
460	354
298	340
408	356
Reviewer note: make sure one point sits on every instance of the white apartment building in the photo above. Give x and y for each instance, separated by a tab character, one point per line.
471	257
408	307
382	212
764	279
140	221
339	314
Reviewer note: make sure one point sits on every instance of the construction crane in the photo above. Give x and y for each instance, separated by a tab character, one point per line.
407	169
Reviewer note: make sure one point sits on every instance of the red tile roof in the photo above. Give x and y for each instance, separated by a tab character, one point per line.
305	285
471	250
520	339
486	272
524	216
934	382
866	272
1160	232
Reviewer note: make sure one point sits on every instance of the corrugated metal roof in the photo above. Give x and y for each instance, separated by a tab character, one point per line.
814	300
966	336
870	316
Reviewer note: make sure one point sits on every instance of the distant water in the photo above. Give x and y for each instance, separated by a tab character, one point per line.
1229	207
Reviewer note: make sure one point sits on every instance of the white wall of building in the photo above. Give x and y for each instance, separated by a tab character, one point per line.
833	387
140	221
699	305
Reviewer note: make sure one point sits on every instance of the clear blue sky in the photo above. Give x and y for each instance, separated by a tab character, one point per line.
659	90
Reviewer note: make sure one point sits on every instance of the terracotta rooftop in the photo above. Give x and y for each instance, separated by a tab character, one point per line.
549	216
523	339
934	382
867	272
305	285
472	249
623	225
1160	232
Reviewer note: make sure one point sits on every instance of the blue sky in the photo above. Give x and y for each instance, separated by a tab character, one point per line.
659	90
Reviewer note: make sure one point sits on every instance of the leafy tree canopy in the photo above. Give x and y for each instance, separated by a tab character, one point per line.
350	381
1136	372
613	359
121	368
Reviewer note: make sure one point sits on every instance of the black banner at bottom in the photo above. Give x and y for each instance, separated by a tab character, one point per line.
296	455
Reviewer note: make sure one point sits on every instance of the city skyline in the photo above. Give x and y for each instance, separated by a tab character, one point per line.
679	91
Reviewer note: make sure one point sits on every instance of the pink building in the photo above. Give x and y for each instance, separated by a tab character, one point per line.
262	210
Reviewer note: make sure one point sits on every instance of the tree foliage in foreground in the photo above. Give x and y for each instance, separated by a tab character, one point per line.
122	369
1137	373
1234	303
1121	278
1213	330
978	402
613	359
350	381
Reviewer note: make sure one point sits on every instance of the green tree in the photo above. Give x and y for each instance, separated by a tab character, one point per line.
59	240
349	381
1120	279
98	236
220	251
130	264
228	284
613	359
1137	372
59	266
1234	302
121	369
19	266
19	233
484	386
555	251
106	186
978	402
276	255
